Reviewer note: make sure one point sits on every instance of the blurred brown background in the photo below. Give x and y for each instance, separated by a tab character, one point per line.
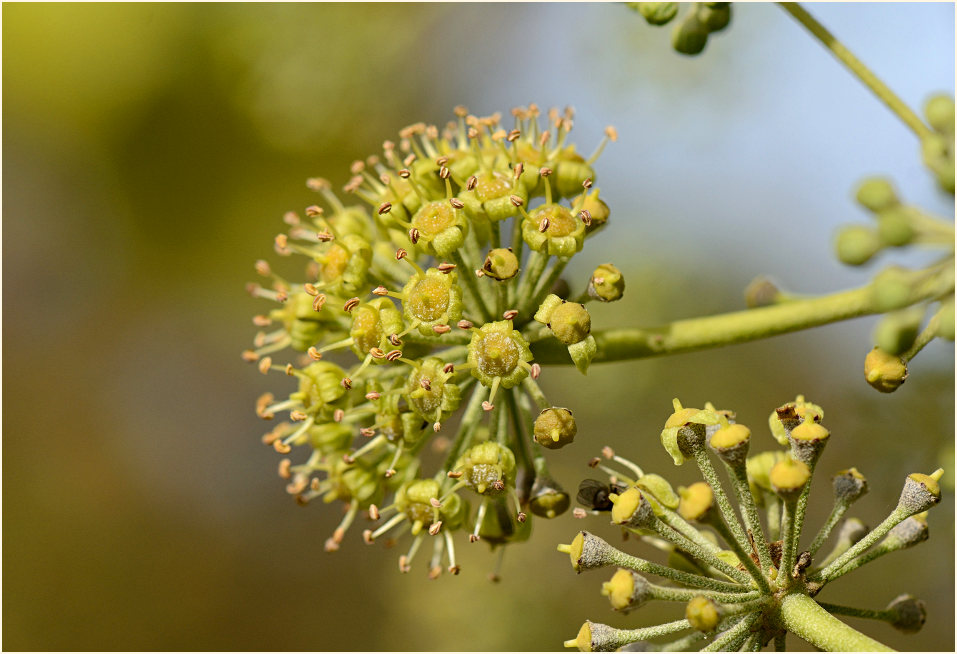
149	153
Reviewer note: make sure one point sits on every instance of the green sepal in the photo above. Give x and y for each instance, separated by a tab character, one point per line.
583	352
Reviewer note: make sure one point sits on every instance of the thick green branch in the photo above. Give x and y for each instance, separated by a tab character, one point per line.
861	71
805	618
745	326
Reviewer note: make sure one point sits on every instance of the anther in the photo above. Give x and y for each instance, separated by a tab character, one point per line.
487	406
585	216
262	321
435	502
393	355
380	290
446	267
401	254
318	184
373	512
510	314
426	384
319	302
454	569
498	485
441	329
250	356
513	136
454	474
262	403
284	466
404	564
346	383
338	415
593	462
434	528
367	536
405	173
357	167
473	538
324	236
464	324
376	353
353	184
390	473
281	296
521	517
519	169
471	183
313	211
579	513
587	183
348	459
368	432
281	447
611	133
536	370
515	200
290	218
290	370
414	235
456	203
313	353
373	396
297	416
543	224
314	484
395	340
460	110
350	304
437	427
265	364
448	369
545	171
262	268
607	452
385	207
331	545
310	289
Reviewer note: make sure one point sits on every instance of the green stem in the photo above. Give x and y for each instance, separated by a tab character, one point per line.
838	609
895	518
806	618
870	80
731	639
623	560
925	337
473	297
836	514
739	481
748	325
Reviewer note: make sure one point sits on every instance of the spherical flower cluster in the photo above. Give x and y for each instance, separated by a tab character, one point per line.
742	585
415	309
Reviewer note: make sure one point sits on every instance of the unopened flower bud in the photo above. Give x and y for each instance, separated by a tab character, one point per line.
921	491
715	16
501	264
892	289
939	110
761	292
657	13
856	244
702	613
945	325
788	478
627	590
896	331
689	36
895	227
910	613
555	428
606	283
884	371
877	194
849	485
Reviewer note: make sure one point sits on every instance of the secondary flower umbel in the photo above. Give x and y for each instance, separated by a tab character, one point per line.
742	586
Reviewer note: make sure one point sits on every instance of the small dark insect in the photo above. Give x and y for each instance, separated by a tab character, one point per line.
594	494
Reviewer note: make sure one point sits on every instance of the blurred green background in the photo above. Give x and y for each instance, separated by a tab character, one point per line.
149	152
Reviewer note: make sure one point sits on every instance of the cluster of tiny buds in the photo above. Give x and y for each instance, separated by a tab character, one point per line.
742	586
690	34
419	307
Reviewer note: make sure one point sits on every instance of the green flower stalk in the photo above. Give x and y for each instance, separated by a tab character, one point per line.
743	587
416	309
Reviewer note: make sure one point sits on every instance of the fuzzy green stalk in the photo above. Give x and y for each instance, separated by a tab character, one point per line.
731	639
837	512
743	556
740	540
536	266
787	551
739	481
467	427
926	336
870	80
897	516
545	286
524	455
682	526
870	614
749	325
805	618
692	548
619	558
472	296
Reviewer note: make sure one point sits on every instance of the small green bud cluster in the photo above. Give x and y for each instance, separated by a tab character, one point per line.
938	147
728	570
414	307
906	327
690	35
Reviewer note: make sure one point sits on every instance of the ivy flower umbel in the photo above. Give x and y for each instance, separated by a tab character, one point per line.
743	586
416	308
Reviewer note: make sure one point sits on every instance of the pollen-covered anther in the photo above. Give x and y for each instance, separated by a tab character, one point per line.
250	356
513	136
434	528
587	184
281	447
262	321
470	183
487	406
390	473
325	237
455	569
310	289
445	267
464	324
262	268
521	517
498	485
607	452
350	304
373	395
543	224
593	462
262	403
401	254
313	210
414	235
380	291
384	208
314	484
290	371
510	314
404	564
516	200
319	302
297	416
393	355
331	545
348	459
377	353
585	216
346	383
434	501
264	364
441	329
